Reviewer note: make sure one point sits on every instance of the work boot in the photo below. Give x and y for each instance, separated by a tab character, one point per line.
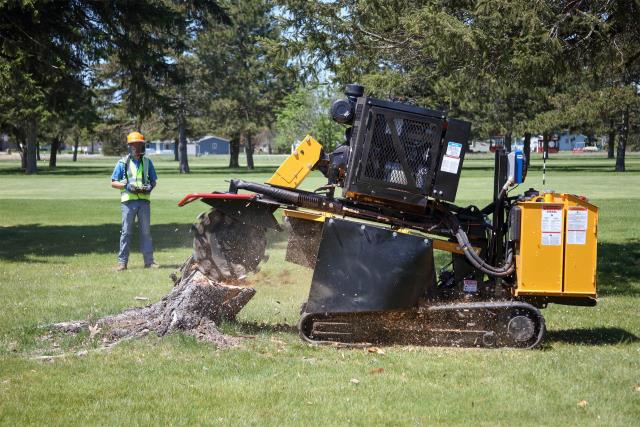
152	265
121	267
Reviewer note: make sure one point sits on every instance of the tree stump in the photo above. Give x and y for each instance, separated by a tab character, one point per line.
194	306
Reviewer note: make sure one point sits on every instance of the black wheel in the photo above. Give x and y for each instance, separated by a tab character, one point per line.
224	248
523	328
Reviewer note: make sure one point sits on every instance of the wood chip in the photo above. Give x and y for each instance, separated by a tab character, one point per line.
375	350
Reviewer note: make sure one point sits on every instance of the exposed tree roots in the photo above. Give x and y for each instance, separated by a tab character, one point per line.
194	306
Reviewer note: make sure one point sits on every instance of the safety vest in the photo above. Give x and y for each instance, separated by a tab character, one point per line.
138	176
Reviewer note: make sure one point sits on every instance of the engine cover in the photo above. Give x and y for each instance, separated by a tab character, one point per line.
403	153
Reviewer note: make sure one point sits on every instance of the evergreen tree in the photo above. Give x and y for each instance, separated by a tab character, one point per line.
50	46
246	78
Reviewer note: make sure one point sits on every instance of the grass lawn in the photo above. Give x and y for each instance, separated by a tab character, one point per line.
59	234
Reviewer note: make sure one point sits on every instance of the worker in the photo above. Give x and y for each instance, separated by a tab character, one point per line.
135	177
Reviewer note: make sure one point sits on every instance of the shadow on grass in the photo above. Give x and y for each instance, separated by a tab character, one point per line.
551	168
592	336
63	170
619	268
162	170
21	242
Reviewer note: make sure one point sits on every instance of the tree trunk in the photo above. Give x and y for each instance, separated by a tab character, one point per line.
53	156
31	155
248	150
622	141
527	147
176	141
22	149
612	140
507	142
75	148
194	306
38	151
182	144
234	151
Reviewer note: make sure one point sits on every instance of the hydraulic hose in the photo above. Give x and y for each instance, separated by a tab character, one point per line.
305	200
481	264
473	257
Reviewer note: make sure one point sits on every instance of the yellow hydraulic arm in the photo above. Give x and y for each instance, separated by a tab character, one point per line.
298	165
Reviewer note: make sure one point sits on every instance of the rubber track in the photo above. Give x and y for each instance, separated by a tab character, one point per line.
476	324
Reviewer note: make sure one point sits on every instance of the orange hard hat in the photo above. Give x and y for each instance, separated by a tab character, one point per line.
135	137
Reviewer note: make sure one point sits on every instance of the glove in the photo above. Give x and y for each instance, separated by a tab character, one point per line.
146	188
132	189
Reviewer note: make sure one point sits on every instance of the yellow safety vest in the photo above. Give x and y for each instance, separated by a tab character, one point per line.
138	176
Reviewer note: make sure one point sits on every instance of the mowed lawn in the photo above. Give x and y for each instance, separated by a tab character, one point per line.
59	235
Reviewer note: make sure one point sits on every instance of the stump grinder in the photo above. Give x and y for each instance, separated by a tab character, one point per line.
372	248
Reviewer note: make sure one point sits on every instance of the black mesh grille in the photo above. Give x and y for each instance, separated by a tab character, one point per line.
385	158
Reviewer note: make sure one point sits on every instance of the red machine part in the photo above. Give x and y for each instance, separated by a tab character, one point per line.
195	196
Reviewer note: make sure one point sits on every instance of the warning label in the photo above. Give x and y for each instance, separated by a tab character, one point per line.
470	286
451	159
551	225
450	164
551	239
453	149
577	220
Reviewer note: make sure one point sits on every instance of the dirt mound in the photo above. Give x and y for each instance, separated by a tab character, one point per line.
194	306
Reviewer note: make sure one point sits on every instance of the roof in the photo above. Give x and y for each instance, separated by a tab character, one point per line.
213	136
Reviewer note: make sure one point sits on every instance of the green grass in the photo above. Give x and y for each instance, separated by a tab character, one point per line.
58	242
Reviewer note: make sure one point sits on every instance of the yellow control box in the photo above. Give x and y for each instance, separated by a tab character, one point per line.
557	248
298	165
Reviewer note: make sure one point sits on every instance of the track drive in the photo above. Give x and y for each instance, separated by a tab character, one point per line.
481	324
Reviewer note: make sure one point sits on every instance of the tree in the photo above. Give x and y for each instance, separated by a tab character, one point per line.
247	78
614	57
306	111
48	46
490	61
601	44
183	92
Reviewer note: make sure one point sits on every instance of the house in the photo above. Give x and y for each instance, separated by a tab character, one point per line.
572	142
211	144
167	147
204	146
562	141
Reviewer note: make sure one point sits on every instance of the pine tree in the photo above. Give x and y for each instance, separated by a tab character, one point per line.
246	77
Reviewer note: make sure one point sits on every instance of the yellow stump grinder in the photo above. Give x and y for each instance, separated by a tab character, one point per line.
372	248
